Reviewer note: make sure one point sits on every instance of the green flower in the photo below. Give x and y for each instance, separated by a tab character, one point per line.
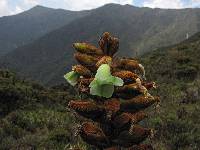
104	82
72	77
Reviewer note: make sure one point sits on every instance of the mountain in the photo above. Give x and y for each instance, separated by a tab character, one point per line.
140	30
25	27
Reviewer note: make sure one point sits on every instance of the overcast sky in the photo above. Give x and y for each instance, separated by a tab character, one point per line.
10	7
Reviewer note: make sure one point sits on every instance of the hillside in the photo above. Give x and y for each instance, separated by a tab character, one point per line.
34	117
176	72
25	27
139	29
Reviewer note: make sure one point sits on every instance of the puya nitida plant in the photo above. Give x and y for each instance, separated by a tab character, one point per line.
117	95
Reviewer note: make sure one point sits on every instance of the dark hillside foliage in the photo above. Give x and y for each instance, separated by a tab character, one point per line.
176	70
32	116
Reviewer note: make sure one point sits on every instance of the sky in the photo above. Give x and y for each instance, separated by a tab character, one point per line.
11	7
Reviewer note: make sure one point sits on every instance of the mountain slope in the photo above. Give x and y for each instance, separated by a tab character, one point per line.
34	117
25	27
176	72
139	29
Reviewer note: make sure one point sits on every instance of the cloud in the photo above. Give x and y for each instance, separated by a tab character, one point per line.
31	2
4	8
194	3
18	9
176	4
163	4
10	7
90	4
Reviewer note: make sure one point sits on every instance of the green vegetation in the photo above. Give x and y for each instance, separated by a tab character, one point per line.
176	71
34	117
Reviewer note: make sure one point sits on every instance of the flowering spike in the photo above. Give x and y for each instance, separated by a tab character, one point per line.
118	95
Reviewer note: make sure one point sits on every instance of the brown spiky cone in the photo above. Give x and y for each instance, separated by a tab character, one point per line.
112	123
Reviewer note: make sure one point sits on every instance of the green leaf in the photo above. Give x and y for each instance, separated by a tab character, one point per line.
103	72
72	77
95	89
117	81
107	90
93	83
104	82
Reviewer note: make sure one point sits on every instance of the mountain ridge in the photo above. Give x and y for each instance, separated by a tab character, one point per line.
140	30
25	27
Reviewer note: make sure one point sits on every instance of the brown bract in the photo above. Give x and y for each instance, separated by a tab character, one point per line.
88	61
137	135
87	48
104	60
126	119
81	70
109	44
138	103
127	76
93	135
87	109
